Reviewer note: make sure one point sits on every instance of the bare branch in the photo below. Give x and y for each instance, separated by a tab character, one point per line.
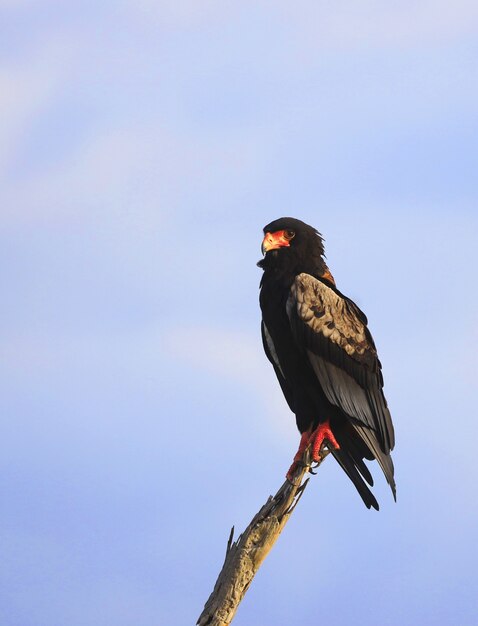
245	555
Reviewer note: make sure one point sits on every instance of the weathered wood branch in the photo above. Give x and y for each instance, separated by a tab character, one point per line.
245	555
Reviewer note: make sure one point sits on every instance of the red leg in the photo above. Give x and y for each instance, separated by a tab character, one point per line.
304	442
321	434
316	439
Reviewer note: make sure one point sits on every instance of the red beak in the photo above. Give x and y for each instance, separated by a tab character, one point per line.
272	241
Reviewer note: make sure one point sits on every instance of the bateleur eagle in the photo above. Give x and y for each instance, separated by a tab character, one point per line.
324	356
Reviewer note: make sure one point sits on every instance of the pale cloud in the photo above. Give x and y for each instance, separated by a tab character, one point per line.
226	353
155	163
27	87
235	356
143	354
95	176
186	13
388	25
149	163
340	25
145	166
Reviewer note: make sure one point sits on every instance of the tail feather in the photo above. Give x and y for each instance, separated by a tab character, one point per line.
357	443
384	460
348	464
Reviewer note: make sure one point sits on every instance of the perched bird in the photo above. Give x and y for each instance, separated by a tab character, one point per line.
324	356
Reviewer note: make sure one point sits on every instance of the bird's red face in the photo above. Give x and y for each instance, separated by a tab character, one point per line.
278	239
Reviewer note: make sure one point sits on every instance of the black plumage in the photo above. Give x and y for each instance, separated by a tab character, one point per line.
322	352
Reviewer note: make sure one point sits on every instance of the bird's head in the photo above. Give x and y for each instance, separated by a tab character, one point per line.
290	247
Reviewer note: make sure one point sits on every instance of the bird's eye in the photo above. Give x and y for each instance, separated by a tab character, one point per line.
289	234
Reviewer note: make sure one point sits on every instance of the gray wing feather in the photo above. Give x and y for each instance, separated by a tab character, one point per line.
333	331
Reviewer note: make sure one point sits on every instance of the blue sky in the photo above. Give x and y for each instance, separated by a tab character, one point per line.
143	146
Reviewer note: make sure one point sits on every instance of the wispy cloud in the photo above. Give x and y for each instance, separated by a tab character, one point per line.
346	25
340	26
27	88
233	356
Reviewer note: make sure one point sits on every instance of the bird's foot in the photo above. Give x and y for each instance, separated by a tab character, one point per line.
317	439
304	442
321	435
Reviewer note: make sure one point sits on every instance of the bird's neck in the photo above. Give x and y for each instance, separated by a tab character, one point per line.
281	269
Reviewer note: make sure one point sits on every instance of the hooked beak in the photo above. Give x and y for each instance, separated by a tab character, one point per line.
272	241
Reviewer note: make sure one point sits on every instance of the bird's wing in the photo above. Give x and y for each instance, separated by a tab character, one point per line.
333	332
271	354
